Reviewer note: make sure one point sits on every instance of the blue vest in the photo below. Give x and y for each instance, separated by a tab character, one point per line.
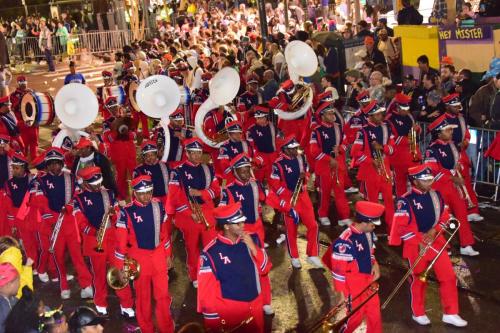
58	189
17	188
159	176
235	270
231	149
356	248
248	99
146	222
197	177
426	207
93	204
291	169
248	195
263	137
402	124
446	154
327	137
380	134
176	148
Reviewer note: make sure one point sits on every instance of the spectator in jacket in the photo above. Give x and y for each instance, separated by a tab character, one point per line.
423	65
373	53
363	30
45	43
409	15
485	105
25	315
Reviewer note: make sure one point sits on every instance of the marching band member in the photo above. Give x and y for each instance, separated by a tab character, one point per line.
420	216
400	118
28	134
5	161
375	138
262	136
8	124
249	193
233	146
328	151
461	138
354	266
358	119
288	170
191	191
153	167
248	100
177	132
142	233
53	198
443	158
90	206
107	77
87	155
229	294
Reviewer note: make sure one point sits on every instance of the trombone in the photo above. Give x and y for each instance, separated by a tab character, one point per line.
452	224
324	322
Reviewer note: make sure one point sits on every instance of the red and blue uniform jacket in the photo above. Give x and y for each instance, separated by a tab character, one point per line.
17	194
461	134
89	208
176	150
353	126
159	175
262	138
442	158
324	138
249	194
231	149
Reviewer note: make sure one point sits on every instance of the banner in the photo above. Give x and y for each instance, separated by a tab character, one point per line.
476	33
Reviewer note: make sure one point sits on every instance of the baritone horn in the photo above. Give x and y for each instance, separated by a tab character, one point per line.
119	278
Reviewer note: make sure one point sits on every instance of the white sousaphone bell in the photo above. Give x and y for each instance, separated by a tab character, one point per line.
223	88
302	62
158	96
76	106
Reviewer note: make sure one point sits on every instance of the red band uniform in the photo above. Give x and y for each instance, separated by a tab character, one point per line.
401	120
55	193
443	157
229	294
358	119
352	263
142	234
326	145
248	101
193	175
107	77
90	206
374	179
422	211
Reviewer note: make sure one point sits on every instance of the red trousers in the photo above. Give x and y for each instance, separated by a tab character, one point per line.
376	184
193	233
265	170
458	208
327	181
98	267
45	260
122	154
445	275
466	173
143	119
154	275
401	161
67	242
235	316
29	240
306	213
30	139
355	283
297	127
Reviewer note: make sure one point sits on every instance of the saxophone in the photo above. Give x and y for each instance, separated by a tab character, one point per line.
102	231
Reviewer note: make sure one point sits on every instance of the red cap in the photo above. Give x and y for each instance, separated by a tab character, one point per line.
369	40
83	143
107	74
440	124
142	183
19	158
21	79
452	99
229	214
446	60
193	144
89	172
289	140
287	85
420	172
402	98
370	212
363	96
167	56
240	160
234	126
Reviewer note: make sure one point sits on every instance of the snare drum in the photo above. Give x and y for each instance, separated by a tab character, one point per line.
37	109
116	91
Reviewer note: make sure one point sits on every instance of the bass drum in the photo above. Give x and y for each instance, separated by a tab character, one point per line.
37	109
131	93
116	91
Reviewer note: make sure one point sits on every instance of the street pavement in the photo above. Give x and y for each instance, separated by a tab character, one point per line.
300	297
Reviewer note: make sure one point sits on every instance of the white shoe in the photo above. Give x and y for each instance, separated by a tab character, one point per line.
266	245
296	263
468	251
352	190
195	284
454	320
268	310
87	292
345	222
127	312
315	261
35	272
280	239
474	217
44	277
65	294
422	320
69	277
101	310
324	221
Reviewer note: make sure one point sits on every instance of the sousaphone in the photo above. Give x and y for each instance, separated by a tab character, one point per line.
223	88
76	106
132	95
302	62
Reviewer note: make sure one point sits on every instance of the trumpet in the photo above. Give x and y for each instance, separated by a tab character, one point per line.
197	211
102	230
412	138
463	189
55	232
296	192
379	157
324	322
120	278
452	224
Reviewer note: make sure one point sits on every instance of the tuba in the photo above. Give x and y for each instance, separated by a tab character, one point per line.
76	106
132	95
223	87
119	279
302	62
158	96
